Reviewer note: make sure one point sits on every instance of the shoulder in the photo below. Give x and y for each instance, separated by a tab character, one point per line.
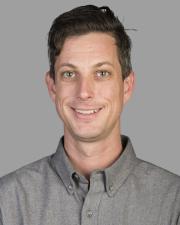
157	178
156	171
27	175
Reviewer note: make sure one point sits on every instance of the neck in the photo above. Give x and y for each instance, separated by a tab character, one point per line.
89	156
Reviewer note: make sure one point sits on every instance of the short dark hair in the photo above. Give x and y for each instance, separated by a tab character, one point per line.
83	20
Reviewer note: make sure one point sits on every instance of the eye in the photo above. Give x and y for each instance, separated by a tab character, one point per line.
103	74
68	74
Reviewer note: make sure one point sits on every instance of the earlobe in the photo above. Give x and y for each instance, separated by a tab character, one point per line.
128	86
51	86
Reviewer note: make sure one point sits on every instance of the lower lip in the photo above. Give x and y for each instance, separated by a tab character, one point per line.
86	117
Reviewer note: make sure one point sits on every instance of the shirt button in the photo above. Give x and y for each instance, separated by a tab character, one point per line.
89	213
70	187
76	176
111	188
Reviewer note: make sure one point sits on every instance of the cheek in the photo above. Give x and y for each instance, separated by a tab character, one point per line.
64	95
112	91
62	92
114	97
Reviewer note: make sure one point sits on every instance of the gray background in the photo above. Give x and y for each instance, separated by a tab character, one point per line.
29	126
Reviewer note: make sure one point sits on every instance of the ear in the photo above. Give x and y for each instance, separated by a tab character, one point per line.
128	86
51	86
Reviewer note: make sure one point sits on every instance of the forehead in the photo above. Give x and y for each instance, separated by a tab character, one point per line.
89	48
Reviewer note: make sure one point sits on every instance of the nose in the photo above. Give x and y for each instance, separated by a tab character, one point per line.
85	89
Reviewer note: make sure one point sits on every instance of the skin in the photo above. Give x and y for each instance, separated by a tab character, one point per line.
89	95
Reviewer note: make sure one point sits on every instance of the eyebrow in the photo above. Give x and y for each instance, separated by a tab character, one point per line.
103	63
96	65
68	65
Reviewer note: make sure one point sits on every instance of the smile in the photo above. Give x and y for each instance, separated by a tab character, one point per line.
87	112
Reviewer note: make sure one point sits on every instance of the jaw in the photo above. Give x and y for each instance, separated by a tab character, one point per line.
91	128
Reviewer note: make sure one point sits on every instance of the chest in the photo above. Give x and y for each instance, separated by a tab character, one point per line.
128	206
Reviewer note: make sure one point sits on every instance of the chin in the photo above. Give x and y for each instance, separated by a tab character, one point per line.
88	137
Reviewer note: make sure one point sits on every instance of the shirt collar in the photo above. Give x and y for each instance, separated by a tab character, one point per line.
115	175
119	171
62	166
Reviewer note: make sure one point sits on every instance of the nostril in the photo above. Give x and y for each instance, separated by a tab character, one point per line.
85	94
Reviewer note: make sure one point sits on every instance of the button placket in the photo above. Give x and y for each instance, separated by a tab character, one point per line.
90	210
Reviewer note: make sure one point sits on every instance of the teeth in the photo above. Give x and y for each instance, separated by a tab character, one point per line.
86	111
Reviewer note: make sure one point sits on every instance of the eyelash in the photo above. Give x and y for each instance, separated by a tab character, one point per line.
69	72
100	74
107	73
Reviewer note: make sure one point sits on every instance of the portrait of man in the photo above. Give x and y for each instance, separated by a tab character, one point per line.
94	177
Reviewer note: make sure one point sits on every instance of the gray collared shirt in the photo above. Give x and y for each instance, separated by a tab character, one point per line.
130	192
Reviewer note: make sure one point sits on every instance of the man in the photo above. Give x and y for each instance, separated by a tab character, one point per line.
94	177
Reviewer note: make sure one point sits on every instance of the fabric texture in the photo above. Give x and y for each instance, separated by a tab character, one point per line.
130	192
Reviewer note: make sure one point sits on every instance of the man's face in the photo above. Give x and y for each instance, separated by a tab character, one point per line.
89	92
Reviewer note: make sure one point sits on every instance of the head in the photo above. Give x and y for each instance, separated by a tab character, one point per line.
87	19
90	77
